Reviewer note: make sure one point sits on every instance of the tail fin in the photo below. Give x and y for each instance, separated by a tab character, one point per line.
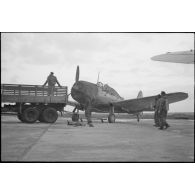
139	114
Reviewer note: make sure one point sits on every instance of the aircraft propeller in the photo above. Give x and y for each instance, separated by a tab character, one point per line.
76	77
87	106
77	74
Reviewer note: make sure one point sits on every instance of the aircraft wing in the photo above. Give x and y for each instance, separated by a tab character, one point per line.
146	103
186	57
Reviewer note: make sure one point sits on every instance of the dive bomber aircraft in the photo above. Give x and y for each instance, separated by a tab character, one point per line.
101	98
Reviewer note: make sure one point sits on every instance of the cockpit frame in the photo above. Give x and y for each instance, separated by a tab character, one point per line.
108	89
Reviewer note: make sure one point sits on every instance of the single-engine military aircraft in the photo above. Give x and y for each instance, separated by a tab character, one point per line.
101	98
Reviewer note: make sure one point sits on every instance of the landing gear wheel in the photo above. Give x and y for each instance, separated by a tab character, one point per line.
111	118
49	115
75	117
30	115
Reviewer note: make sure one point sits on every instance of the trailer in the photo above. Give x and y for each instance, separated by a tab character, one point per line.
32	103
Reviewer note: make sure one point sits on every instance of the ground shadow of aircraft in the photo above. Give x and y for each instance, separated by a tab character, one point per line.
101	98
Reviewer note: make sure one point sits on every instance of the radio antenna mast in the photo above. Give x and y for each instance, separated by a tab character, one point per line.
98	77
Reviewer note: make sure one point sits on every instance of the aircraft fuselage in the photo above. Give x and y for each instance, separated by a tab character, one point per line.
85	92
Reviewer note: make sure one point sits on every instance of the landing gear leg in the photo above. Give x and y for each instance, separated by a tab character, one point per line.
111	116
137	117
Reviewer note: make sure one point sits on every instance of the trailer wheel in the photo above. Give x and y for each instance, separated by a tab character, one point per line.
49	115
20	117
40	119
30	115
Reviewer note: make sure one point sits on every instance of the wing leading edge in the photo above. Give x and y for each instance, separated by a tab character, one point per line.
186	57
147	103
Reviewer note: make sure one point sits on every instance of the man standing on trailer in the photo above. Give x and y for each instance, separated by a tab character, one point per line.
51	80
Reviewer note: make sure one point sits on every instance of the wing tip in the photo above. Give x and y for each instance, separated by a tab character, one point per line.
186	95
183	95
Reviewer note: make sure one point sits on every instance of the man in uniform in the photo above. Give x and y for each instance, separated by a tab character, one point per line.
51	80
88	114
162	111
156	108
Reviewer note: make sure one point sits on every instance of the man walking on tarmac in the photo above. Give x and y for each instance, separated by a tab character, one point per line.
156	108
162	111
51	80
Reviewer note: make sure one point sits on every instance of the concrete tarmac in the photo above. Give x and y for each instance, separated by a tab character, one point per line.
123	141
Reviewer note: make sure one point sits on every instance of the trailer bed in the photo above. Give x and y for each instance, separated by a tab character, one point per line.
16	93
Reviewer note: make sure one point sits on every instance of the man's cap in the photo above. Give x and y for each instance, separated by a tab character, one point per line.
51	73
163	93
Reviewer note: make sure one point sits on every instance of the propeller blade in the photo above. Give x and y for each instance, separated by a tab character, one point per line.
77	74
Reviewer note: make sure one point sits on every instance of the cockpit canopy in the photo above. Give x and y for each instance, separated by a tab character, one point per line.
108	89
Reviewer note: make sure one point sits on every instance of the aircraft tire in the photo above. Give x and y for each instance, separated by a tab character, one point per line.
49	115
30	115
111	118
75	117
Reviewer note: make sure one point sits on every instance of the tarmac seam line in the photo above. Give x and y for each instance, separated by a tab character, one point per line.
26	150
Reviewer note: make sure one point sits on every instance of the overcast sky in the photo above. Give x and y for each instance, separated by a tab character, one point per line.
123	60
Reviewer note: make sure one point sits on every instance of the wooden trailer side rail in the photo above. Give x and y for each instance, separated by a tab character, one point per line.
32	94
